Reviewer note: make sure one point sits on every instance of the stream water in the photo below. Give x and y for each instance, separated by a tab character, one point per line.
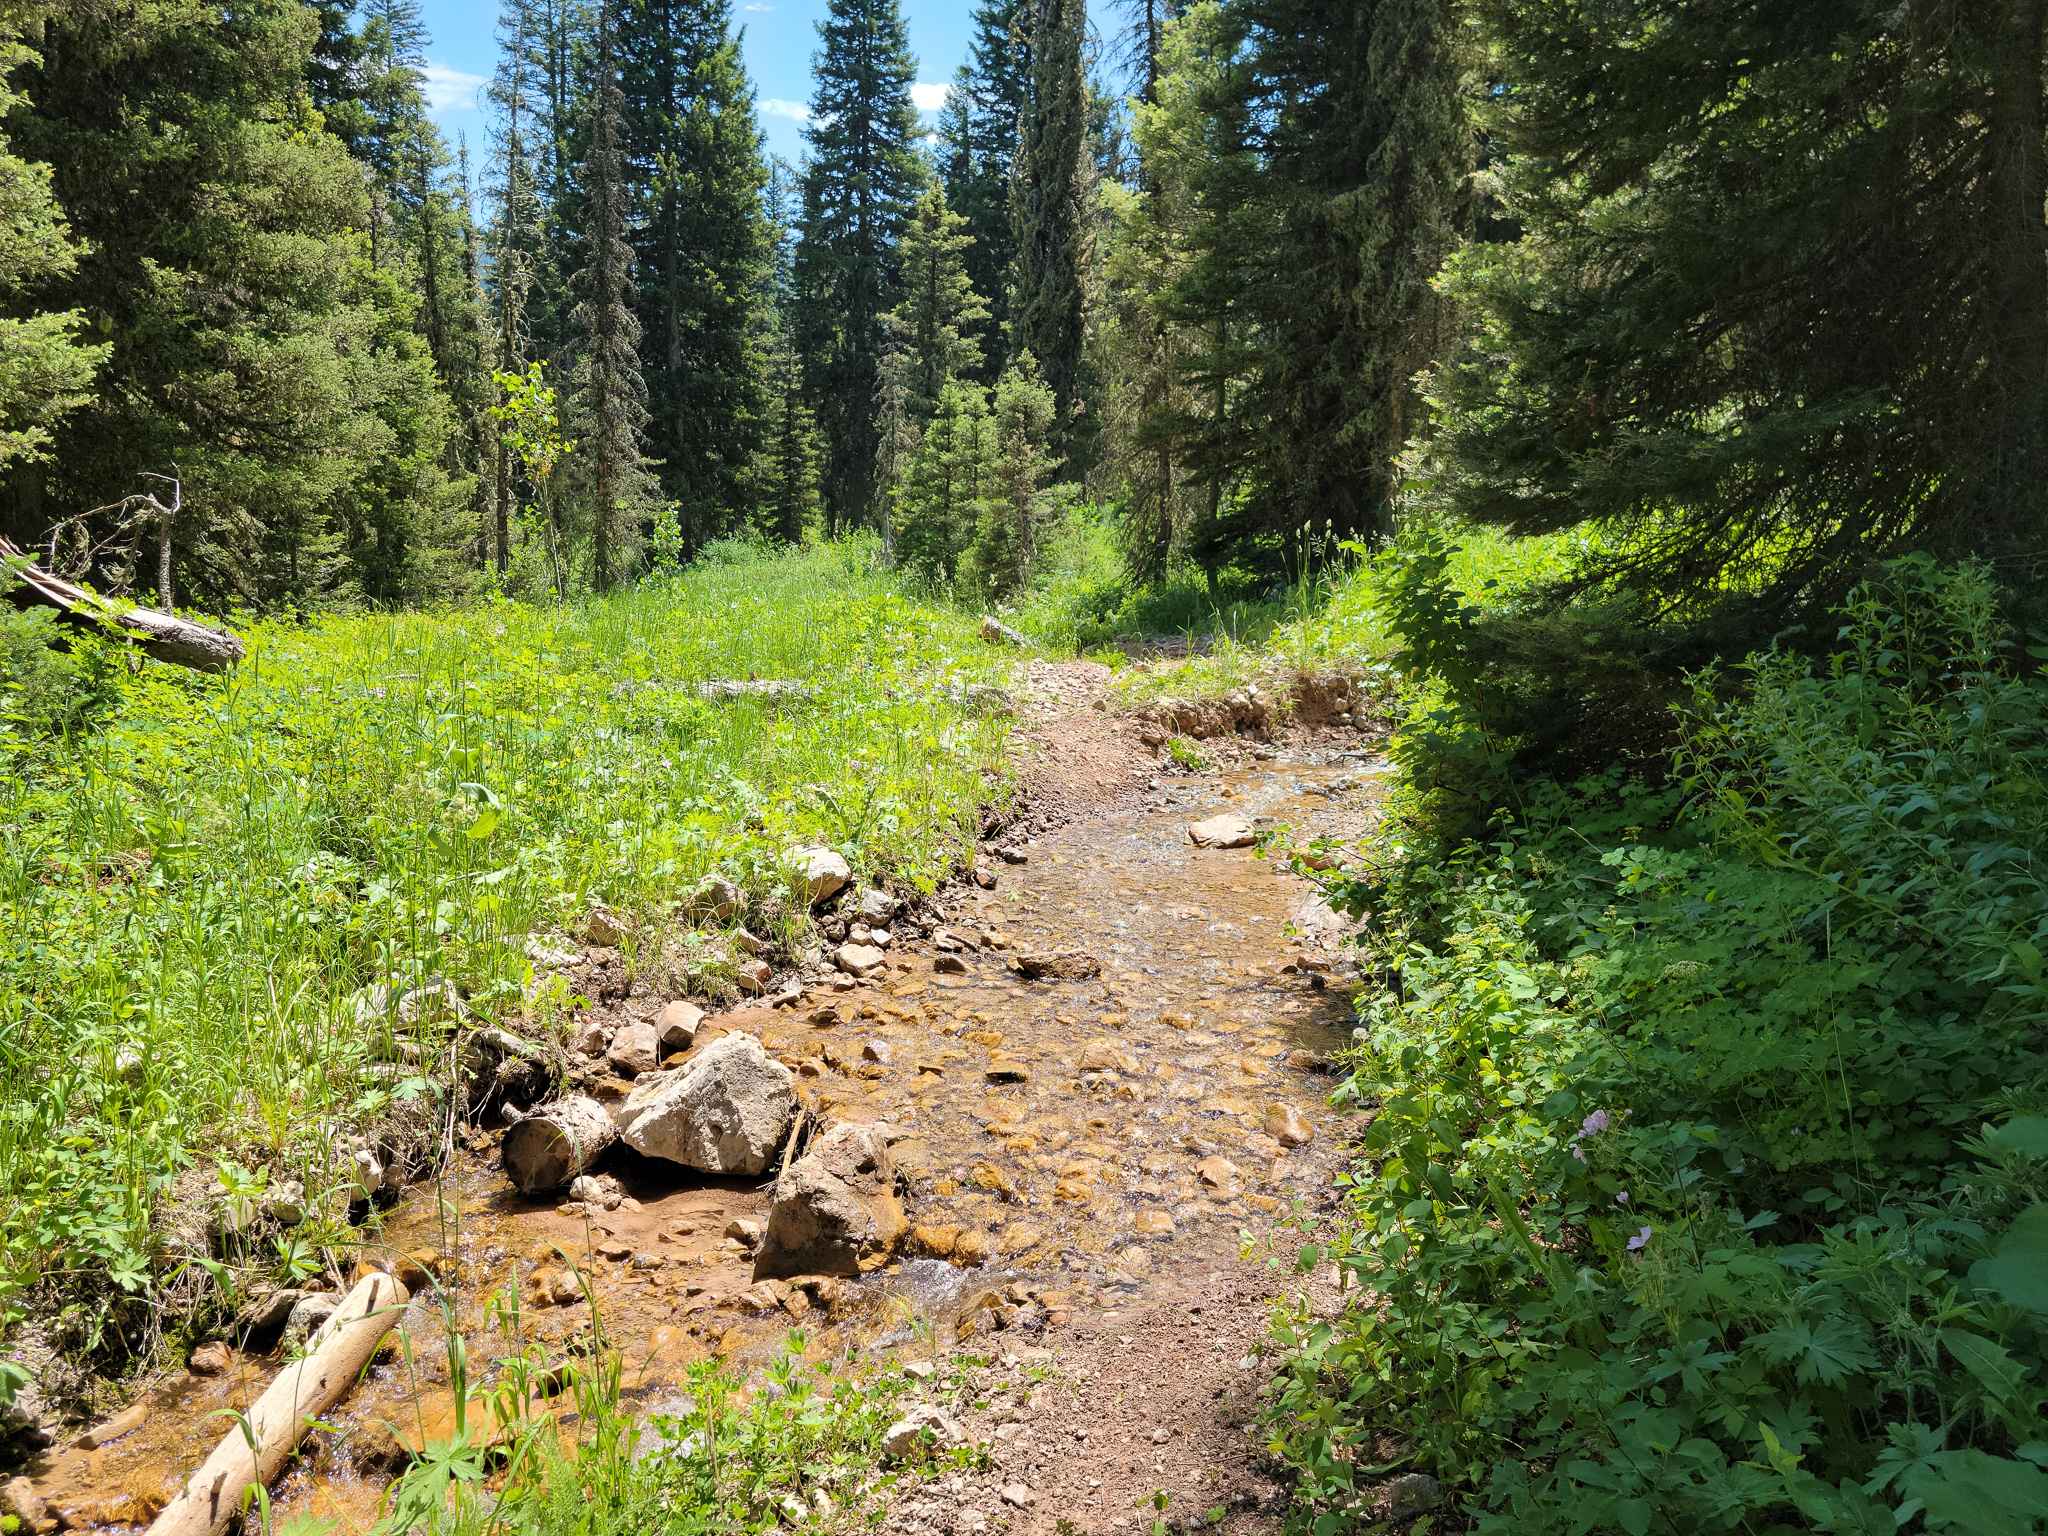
1144	1115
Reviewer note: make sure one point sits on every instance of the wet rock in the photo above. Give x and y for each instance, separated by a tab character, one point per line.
982	874
1288	1125
932	1242
210	1358
861	960
18	1497
946	941
307	1316
752	976
1218	1173
876	907
821	873
1153	1223
1057	965
592	1040
1222	832
1003	1069
835	1210
1013	855
949	965
745	1231
727	1111
1108	1056
265	1313
924	1425
878	1052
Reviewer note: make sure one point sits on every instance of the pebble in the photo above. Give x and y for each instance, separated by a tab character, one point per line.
1017	1496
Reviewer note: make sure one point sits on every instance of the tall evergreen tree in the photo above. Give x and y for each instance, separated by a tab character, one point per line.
610	404
702	242
785	479
933	326
1047	210
1820	332
1325	151
862	177
48	366
517	235
979	132
251	345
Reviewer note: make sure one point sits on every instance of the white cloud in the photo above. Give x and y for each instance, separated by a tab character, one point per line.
795	111
755	8
449	90
929	97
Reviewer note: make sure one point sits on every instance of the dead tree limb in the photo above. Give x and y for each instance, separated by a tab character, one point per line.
162	635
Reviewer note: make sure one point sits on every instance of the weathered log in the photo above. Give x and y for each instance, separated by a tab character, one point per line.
254	1452
753	688
162	635
556	1142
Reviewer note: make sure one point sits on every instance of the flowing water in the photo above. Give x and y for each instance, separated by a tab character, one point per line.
1067	1144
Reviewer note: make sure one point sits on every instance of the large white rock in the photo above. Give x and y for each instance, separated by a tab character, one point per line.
1225	831
727	1111
822	872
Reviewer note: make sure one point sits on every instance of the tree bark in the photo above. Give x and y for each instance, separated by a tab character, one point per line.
162	635
2018	308
212	1497
555	1143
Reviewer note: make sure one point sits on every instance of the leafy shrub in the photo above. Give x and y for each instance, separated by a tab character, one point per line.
52	683
1706	1185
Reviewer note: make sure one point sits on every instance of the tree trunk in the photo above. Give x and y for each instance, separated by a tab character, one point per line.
555	1143
162	635
212	1497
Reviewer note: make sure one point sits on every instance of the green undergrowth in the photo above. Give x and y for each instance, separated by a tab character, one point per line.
197	882
794	1446
1704	1182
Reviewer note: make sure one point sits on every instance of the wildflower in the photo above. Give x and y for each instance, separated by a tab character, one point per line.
1640	1241
1594	1123
1621	1198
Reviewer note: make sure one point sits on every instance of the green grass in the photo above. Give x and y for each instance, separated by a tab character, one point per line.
192	895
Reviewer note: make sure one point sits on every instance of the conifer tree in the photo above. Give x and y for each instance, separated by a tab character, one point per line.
1022	419
934	324
48	367
979	132
610	403
701	239
785	479
1047	210
862	177
942	497
1324	151
516	238
251	345
1821	332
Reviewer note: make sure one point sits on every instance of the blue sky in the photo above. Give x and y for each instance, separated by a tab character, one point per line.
780	37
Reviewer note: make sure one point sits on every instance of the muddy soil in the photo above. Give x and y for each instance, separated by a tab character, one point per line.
1086	1160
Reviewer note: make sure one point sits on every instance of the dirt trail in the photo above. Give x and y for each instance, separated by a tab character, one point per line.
1084	1158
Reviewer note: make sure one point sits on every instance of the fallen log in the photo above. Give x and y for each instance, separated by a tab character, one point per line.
162	635
254	1452
996	632
556	1142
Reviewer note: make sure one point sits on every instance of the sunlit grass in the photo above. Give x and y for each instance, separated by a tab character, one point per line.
191	899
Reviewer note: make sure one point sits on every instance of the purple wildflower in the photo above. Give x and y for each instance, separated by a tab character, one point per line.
1622	1198
1640	1241
1594	1123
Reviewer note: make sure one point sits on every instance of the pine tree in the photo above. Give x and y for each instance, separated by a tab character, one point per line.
1047	211
1819	331
610	404
702	244
1324	151
48	369
941	500
984	116
517	236
784	486
862	177
252	347
933	326
1022	418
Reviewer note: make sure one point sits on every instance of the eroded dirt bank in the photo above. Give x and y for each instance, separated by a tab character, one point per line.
1083	1157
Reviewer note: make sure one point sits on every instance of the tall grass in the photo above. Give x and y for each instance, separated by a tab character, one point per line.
192	897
